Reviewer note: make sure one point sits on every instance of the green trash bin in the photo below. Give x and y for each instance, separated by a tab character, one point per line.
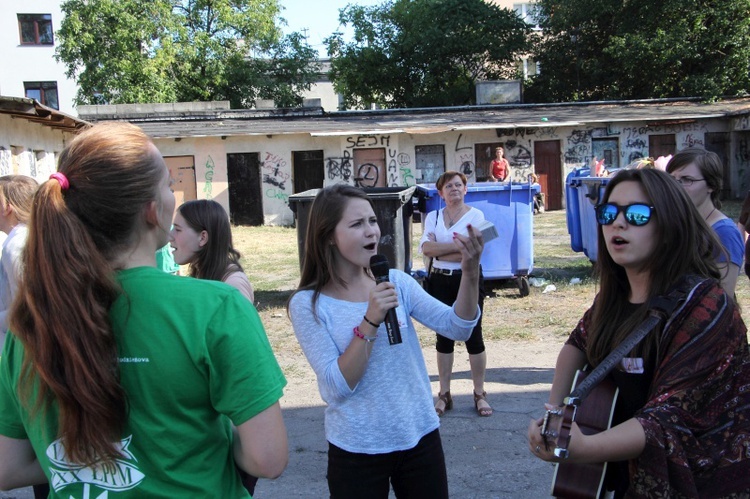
393	208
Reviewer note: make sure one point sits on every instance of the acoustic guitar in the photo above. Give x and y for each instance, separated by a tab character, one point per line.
593	415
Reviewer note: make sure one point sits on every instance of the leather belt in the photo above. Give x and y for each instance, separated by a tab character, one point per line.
446	271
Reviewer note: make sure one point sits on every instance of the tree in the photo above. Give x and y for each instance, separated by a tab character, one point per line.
139	51
415	53
636	49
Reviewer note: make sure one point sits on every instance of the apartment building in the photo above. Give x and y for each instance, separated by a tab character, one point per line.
27	48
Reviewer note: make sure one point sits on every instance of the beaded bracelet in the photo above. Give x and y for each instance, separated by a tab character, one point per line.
368	339
370	322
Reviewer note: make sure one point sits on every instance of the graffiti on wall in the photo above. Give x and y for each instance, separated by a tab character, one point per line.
340	167
209	178
578	148
398	167
275	171
407	175
692	140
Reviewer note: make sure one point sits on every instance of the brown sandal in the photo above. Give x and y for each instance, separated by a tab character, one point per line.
484	411
447	400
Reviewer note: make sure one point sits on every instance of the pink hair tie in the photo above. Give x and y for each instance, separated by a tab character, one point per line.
60	177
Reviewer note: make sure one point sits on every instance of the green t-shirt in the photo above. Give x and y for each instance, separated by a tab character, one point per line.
193	355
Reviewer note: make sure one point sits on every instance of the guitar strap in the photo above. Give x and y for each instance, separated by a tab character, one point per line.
661	308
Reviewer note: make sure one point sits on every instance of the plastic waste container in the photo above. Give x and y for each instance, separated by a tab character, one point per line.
393	208
583	193
511	208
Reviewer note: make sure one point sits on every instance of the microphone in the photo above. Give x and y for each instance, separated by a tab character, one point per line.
379	268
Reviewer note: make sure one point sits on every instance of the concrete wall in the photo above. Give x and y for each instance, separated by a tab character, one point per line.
29	148
22	63
576	151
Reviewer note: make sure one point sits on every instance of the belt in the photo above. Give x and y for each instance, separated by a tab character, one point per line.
446	271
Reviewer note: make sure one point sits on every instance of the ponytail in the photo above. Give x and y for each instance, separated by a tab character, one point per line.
61	315
62	319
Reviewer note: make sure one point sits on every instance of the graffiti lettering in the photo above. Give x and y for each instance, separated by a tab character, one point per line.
274	193
367	175
635	144
339	168
458	142
691	141
209	177
407	176
368	141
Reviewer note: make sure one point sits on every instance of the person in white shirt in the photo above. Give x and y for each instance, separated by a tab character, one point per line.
16	197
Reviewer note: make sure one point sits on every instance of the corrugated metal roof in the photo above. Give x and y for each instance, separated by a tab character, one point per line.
31	110
420	121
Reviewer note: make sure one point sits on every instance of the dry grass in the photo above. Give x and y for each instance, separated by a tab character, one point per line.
272	264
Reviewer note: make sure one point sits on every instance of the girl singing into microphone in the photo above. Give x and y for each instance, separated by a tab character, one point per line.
380	423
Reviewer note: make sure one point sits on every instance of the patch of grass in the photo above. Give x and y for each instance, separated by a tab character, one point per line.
272	264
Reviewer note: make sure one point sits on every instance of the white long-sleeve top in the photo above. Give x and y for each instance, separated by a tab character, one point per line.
10	272
391	407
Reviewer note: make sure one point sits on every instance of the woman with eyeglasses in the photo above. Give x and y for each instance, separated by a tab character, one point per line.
681	425
443	283
702	175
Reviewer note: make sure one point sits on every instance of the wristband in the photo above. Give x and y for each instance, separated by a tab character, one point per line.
368	339
370	322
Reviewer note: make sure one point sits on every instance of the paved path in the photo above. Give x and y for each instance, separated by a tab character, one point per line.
486	457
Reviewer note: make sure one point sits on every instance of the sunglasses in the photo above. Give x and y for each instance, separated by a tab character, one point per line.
636	214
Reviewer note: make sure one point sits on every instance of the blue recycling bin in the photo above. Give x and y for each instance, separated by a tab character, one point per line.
511	208
583	193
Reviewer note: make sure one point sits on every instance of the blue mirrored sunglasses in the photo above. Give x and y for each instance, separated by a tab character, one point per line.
636	214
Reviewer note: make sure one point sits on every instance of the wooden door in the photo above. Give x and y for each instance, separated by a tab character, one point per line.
548	167
308	170
369	167
182	171
245	201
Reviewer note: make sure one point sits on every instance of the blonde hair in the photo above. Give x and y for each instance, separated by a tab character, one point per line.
17	191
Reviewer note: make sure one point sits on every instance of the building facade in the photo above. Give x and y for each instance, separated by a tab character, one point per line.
251	161
27	45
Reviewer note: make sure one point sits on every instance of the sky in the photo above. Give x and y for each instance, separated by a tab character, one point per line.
319	17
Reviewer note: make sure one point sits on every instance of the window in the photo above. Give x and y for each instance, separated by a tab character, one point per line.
528	12
35	29
45	92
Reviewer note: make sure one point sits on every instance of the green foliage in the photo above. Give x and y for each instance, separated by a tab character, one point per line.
417	53
140	51
636	49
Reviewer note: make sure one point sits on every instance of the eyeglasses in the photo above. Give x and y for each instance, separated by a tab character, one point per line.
636	214
688	181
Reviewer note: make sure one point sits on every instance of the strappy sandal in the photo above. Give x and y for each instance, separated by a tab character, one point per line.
484	411
446	399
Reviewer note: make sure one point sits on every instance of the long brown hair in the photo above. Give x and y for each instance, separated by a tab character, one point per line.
326	212
217	258
685	245
61	315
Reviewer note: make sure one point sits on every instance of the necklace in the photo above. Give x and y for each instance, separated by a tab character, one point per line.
709	215
452	218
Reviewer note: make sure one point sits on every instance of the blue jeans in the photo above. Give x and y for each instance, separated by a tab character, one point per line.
418	472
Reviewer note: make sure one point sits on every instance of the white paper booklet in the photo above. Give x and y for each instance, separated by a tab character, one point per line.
488	230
